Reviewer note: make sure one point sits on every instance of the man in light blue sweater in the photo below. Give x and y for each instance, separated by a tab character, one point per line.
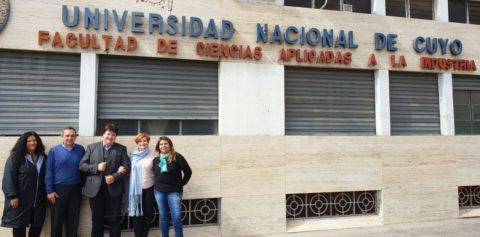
64	183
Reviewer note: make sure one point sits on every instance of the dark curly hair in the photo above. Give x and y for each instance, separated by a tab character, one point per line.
19	150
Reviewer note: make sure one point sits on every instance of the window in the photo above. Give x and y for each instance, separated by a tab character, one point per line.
396	8
414	106
321	205
38	91
328	5
420	9
457	11
467	112
469	197
158	96
329	102
195	212
298	3
360	6
464	11
474	12
161	127
466	104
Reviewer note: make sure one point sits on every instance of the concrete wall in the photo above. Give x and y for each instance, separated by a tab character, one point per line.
28	17
251	166
251	99
418	176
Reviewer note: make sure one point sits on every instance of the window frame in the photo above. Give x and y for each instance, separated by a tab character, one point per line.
340	2
471	111
408	10
140	127
468	11
465	11
409	13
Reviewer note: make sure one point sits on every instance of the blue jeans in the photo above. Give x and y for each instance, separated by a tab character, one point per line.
170	204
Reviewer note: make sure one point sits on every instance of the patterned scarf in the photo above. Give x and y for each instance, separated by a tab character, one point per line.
163	163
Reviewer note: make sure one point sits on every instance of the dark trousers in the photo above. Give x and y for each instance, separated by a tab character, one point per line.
141	224
32	232
66	210
103	205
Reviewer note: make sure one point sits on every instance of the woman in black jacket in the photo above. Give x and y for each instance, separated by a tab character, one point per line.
24	186
169	182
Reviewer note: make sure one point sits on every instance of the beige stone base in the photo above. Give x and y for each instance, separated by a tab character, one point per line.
418	177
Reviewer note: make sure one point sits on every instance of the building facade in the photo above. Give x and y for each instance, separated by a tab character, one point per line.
295	116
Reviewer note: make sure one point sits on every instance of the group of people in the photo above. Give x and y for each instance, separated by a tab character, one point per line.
100	173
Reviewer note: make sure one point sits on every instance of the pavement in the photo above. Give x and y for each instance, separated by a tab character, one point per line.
464	227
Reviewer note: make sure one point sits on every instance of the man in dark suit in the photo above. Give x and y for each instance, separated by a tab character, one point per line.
104	184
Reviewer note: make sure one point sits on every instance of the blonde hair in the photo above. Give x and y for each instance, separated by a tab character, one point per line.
171	154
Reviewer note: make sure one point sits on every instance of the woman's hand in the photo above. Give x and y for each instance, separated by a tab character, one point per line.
14	203
121	170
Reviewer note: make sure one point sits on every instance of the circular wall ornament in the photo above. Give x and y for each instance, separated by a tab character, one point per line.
4	13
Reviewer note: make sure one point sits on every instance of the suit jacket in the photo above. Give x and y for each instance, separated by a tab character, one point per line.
115	157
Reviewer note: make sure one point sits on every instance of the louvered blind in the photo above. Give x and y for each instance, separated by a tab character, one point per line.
38	91
329	102
421	9
414	105
395	8
474	12
466	82
146	88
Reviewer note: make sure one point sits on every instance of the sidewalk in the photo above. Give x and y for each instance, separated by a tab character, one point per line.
466	227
